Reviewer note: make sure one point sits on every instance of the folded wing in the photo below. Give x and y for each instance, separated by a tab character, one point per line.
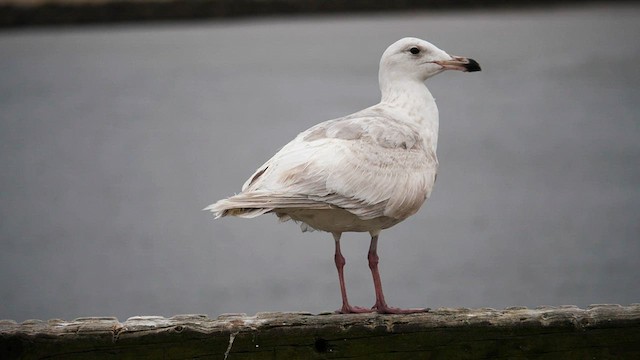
371	166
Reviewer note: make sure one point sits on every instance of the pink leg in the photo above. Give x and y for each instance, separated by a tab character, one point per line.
340	261
381	305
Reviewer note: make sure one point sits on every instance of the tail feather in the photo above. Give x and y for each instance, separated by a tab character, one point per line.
253	204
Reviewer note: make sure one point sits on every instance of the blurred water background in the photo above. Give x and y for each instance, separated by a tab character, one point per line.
113	138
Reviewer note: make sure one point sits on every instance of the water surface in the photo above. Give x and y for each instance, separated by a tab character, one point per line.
114	138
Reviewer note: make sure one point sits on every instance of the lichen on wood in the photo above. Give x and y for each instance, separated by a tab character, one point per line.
567	332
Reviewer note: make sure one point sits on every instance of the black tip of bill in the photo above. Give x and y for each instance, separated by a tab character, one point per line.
472	66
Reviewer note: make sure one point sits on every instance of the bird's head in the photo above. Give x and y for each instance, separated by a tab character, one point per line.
415	59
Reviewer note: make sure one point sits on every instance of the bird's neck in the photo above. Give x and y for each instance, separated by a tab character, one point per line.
412	102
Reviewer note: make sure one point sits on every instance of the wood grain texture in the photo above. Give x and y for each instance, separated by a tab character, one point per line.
567	332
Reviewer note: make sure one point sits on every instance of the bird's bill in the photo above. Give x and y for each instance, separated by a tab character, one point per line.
459	63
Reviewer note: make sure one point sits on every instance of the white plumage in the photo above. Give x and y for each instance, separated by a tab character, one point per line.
363	172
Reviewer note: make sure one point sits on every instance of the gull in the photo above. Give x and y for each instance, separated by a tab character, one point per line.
363	172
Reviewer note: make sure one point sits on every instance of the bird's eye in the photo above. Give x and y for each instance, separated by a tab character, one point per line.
414	50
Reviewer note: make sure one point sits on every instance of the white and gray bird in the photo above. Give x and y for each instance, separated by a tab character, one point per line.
364	172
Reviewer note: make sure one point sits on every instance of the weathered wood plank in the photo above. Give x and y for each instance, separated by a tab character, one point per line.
567	332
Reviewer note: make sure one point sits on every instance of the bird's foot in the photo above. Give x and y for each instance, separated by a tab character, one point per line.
386	309
348	309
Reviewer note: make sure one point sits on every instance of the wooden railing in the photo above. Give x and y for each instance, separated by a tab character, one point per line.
565	332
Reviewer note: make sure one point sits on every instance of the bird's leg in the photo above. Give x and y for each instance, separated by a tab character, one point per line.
381	305
340	261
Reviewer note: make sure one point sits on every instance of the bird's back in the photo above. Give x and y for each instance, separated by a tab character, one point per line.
363	171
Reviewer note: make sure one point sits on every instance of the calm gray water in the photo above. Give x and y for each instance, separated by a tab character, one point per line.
113	139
